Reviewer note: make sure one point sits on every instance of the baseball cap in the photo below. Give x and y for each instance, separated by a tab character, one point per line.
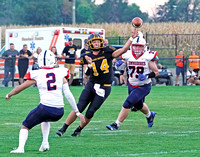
70	39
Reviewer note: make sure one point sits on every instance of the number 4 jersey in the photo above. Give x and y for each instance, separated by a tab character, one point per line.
139	65
101	71
50	82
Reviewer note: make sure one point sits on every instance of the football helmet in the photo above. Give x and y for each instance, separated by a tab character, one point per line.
46	59
138	46
97	45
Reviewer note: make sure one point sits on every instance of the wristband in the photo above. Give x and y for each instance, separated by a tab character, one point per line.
78	114
89	65
131	39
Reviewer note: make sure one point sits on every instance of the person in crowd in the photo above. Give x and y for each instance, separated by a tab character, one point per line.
54	50
105	42
98	86
194	62
192	78
35	59
9	64
141	68
51	82
23	62
69	53
86	48
179	66
121	64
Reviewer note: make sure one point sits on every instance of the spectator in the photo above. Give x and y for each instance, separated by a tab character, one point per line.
23	62
191	77
179	66
85	49
121	64
69	53
194	62
105	42
9	65
35	59
54	50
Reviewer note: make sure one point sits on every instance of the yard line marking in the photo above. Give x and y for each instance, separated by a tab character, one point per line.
18	124
157	153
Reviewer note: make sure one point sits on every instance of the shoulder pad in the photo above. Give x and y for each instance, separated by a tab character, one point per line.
154	55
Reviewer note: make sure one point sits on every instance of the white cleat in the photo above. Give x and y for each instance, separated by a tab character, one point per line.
44	147
17	151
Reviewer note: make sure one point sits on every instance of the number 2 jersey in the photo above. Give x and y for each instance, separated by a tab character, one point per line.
139	65
50	83
101	71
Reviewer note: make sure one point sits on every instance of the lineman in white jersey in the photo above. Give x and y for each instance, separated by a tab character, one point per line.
141	68
51	82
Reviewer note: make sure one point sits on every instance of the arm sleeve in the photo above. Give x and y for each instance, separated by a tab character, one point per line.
70	97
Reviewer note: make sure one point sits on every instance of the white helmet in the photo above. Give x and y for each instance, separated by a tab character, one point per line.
46	59
138	46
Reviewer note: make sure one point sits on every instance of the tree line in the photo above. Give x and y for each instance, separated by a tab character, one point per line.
46	12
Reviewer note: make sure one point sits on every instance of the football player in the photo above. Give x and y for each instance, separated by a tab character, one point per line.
141	68
50	82
98	86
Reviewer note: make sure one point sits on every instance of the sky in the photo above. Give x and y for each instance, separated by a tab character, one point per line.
147	6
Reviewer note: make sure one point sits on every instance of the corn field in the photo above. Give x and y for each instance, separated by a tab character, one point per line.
188	34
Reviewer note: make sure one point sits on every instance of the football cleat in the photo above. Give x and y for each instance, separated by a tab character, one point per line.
60	132
77	132
150	119
112	126
44	147
17	151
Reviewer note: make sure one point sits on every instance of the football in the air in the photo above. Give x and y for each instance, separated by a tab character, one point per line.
137	22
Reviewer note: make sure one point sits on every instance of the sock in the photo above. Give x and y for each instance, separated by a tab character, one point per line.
79	128
65	126
45	127
23	135
118	123
148	114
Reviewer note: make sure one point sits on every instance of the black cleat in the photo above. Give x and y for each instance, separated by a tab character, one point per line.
60	132
77	132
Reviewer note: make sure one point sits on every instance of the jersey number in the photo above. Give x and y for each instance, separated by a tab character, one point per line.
104	67
139	70
50	81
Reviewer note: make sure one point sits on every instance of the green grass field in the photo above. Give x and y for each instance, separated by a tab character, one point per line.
176	129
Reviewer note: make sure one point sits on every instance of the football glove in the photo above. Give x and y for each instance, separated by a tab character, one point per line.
119	62
142	77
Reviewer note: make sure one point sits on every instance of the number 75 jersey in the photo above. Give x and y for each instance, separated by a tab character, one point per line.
139	65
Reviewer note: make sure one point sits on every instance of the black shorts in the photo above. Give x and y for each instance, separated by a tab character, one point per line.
91	96
22	69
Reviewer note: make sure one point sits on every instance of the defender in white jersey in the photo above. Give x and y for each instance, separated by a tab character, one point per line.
141	67
51	82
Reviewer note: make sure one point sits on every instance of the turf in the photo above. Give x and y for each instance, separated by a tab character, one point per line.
175	131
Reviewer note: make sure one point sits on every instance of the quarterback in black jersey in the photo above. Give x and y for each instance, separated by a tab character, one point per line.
98	87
